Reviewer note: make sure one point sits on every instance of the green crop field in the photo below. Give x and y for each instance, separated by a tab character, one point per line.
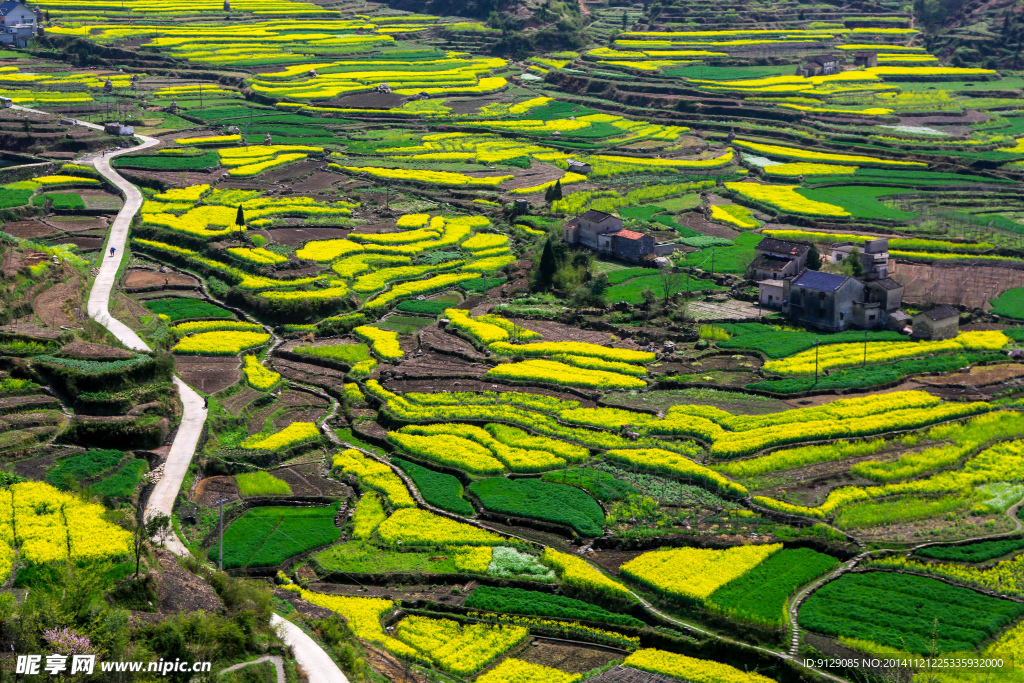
541	500
186	309
906	612
267	536
438	489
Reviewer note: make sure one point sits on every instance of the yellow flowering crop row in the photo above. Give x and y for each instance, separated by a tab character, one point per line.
457	649
518	453
197	221
413	220
259	167
395	237
55	180
517	330
734	214
674	463
368	515
374	475
513	670
193	193
567	179
258	376
802	168
417	287
482	241
327	250
695	573
868	111
833	356
377	280
809	155
213	325
50	525
413	527
575	349
336	290
552	372
448	450
360	263
483	332
296	432
591	363
489	264
213	140
475	559
383	343
716	162
256	255
363	615
576	572
786	198
429	177
220	343
691	668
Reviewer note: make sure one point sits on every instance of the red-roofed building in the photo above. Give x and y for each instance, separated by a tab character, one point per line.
632	246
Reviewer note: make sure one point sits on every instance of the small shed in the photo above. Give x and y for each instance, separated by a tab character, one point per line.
937	324
770	293
578	166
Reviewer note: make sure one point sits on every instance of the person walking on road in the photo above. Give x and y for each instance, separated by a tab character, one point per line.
112	250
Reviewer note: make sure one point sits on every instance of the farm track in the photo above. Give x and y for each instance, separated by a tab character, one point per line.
317	664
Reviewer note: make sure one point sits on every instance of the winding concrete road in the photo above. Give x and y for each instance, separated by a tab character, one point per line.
161	500
317	664
273	659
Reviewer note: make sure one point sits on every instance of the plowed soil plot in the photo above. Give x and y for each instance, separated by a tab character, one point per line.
317	182
978	376
437	365
212	489
695	221
150	278
295	237
428	386
447	344
208	374
83	243
77	223
98	199
556	332
972	286
83	349
570	658
17	404
49	306
298	406
622	674
306	480
309	374
372	100
28	229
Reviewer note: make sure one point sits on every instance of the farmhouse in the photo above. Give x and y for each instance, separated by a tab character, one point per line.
822	300
17	23
822	65
578	166
937	324
603	233
777	259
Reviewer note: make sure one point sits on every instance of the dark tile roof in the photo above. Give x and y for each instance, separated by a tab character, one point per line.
942	312
571	223
628	235
595	216
823	282
770	244
770	262
823	59
887	283
6	7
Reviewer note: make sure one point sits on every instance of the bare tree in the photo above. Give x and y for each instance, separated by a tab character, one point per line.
671	281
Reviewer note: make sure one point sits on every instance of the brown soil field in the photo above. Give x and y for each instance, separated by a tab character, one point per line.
88	350
83	243
965	285
574	659
15	404
316	183
370	100
447	344
238	401
101	200
432	364
625	674
306	480
298	406
208	374
136	279
28	229
78	223
978	376
212	489
308	373
441	384
182	591
296	237
49	306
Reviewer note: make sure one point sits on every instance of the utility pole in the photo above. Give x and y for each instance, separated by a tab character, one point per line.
865	364
220	555
816	342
